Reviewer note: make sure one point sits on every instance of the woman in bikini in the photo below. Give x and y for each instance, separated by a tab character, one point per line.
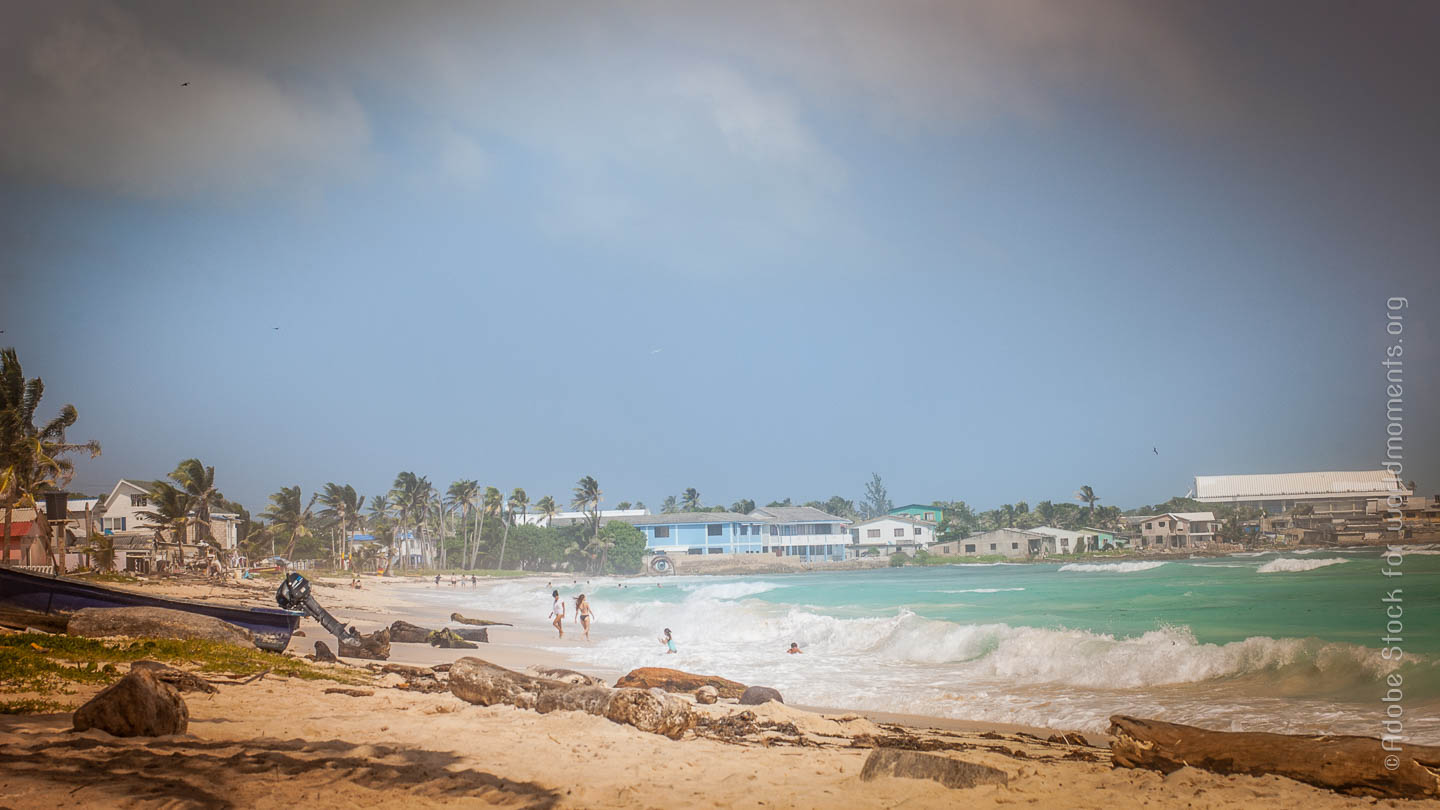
585	614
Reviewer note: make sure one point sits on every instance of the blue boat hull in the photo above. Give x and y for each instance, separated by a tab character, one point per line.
45	593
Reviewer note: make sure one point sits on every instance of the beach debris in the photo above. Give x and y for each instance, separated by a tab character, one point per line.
178	678
707	695
21	619
403	632
1069	738
417	679
673	680
456	617
472	633
755	695
340	690
653	710
323	653
569	676
446	638
137	705
948	771
155	622
374	646
1343	764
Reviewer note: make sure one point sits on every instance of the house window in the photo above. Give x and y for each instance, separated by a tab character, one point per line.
1147	525
712	529
662	531
969	548
695	551
929	515
1014	546
139	500
900	532
872	532
992	546
1065	542
919	530
744	528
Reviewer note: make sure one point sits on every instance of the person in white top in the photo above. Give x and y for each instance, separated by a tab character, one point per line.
557	612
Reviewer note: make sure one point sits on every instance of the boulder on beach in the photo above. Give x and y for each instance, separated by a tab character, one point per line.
673	680
403	632
950	772
651	710
569	676
154	622
137	705
707	695
756	695
476	681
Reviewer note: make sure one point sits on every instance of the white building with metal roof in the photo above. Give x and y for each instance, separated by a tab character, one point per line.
1337	493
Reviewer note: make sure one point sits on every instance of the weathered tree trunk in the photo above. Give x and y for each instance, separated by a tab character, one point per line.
477	681
1354	765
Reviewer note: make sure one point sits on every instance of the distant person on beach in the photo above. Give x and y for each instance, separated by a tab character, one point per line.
437	580
584	613
557	612
669	642
473	581
795	648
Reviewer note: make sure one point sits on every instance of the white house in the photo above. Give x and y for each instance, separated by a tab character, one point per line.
888	534
120	514
1068	540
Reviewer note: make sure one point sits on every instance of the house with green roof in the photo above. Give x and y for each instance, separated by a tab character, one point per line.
921	511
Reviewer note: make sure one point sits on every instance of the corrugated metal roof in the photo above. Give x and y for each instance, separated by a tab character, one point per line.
1215	488
18	528
689	517
798	514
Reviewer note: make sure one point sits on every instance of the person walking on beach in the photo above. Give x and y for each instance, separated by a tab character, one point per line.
584	613
557	612
794	648
437	580
669	642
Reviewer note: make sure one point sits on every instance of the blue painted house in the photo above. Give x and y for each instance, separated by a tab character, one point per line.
785	531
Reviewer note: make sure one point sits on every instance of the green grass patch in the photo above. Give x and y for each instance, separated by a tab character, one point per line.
35	662
34	706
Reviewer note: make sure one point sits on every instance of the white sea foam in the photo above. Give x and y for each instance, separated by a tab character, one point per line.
1219	565
1113	568
729	590
1289	565
979	590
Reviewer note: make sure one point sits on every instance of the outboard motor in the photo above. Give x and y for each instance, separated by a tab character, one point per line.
294	594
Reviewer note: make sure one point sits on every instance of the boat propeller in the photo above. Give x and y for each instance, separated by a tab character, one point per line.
294	594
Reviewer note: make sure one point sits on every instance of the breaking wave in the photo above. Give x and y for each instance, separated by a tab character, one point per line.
1113	568
1289	565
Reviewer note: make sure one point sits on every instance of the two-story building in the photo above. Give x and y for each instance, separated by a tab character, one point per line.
785	531
883	536
121	515
1177	530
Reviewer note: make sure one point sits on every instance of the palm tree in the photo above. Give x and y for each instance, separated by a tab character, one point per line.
411	494
519	500
744	506
102	551
170	508
198	481
690	498
462	495
285	513
546	506
1087	495
342	510
588	497
670	505
380	512
32	457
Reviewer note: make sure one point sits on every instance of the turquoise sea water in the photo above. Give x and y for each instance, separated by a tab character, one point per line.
1287	642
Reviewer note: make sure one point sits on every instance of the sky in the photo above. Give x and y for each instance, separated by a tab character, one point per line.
989	250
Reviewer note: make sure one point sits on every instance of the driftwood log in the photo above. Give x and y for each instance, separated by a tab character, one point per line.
1354	765
477	681
456	617
21	619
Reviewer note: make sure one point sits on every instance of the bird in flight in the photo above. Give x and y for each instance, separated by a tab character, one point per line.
656	351
1157	451
184	84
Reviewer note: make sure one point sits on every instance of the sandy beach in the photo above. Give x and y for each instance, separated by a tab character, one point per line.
285	742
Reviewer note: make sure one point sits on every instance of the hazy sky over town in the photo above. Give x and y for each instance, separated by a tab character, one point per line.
991	250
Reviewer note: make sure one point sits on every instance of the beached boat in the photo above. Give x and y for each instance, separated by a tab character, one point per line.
47	593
